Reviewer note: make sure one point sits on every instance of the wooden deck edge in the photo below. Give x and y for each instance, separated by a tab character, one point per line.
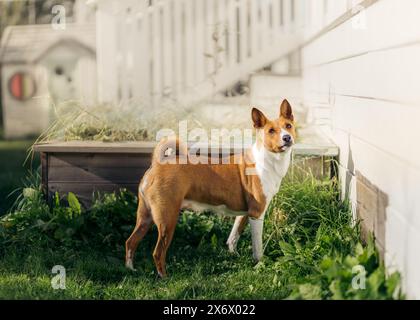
147	147
96	147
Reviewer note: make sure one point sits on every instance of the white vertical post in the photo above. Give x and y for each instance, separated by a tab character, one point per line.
299	15
156	55
293	15
221	22
232	32
141	69
106	43
189	45
119	56
254	28
264	24
243	30
126	54
275	7
177	53
200	21
287	15
209	42
167	49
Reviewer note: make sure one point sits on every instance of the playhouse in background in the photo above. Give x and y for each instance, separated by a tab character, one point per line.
42	66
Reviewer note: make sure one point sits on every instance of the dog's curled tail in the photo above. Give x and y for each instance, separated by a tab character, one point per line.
168	149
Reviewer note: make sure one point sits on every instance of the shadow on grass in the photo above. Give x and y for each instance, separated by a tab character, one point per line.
193	273
13	171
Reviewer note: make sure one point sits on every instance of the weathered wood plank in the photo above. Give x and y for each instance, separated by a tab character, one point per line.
83	182
96	175
97	147
97	160
44	172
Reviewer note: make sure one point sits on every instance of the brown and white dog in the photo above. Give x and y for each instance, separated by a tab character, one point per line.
229	188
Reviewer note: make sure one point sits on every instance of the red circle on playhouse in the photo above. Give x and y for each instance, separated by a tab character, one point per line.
22	86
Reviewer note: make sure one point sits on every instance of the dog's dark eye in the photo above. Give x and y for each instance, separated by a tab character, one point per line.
272	131
288	126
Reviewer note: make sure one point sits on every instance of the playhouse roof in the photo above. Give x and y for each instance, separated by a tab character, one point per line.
26	44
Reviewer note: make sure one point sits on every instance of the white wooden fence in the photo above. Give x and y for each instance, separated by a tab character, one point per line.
187	50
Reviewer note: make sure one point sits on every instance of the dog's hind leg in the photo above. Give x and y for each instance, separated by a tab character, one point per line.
144	221
165	218
237	229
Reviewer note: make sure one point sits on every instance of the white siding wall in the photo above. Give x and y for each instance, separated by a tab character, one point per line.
363	87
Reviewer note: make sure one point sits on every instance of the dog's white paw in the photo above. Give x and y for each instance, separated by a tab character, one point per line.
257	257
231	246
129	265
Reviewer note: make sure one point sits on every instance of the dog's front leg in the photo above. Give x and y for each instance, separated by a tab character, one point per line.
256	235
237	229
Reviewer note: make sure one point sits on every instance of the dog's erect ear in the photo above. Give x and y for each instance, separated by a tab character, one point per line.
286	110
258	118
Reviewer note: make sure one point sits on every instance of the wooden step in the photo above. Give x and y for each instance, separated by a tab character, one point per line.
314	155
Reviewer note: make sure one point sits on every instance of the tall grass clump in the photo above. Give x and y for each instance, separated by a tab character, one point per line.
312	235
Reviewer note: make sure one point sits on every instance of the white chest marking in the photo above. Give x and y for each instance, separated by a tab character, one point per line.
220	209
271	169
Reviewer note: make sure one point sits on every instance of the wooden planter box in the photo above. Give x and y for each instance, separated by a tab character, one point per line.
84	167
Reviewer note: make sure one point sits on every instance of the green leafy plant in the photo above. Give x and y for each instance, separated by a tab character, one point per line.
35	223
319	245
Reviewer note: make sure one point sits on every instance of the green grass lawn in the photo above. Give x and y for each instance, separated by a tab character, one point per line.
311	249
194	274
13	171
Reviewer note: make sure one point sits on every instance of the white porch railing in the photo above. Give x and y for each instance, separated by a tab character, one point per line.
187	50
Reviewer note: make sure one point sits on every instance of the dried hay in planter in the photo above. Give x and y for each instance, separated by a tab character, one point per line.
139	122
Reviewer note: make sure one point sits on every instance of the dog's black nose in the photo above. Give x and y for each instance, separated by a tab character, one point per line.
287	138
